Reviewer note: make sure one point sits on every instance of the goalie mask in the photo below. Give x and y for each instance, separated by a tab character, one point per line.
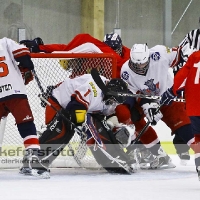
114	41
111	100
139	59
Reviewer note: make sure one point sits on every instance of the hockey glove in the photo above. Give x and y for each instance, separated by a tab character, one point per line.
33	45
152	112
167	97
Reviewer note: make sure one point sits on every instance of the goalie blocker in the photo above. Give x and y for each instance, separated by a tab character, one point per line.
100	139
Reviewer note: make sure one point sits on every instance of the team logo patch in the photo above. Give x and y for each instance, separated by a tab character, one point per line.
153	89
125	75
155	56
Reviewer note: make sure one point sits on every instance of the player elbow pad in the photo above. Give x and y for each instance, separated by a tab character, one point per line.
80	116
25	61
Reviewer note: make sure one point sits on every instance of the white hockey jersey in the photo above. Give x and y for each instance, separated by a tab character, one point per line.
83	89
11	82
157	79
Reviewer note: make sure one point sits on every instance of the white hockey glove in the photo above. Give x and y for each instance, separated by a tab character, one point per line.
125	135
152	112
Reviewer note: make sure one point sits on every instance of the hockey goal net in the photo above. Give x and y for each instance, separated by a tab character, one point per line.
52	69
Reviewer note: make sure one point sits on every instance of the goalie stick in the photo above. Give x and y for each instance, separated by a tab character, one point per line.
121	163
101	85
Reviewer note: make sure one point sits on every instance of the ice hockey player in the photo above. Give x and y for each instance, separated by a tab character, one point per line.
74	98
146	72
16	64
190	73
84	43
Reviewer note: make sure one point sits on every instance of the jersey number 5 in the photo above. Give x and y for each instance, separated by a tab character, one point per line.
3	67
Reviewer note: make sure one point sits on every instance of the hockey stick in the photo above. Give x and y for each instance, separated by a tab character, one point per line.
101	85
143	96
141	132
144	128
98	81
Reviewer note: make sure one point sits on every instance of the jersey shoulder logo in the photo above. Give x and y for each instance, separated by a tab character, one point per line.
155	56
125	75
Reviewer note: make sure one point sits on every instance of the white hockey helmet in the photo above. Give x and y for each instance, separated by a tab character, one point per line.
139	58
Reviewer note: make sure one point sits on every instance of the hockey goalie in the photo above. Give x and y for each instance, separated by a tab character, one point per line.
80	102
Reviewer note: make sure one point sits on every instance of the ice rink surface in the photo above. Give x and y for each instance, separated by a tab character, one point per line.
84	184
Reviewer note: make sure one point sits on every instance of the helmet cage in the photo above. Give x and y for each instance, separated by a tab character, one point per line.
137	68
114	41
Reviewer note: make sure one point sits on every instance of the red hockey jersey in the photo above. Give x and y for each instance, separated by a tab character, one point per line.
191	73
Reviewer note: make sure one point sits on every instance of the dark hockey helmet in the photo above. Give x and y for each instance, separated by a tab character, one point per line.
114	41
115	85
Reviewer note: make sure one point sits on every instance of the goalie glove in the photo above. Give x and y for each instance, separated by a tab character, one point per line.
167	97
152	112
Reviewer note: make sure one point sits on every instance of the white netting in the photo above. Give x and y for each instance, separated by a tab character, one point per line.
50	72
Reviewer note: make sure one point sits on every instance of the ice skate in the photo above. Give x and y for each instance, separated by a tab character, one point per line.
184	158
146	157
162	161
32	166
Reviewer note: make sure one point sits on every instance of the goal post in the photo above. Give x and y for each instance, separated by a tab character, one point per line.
52	69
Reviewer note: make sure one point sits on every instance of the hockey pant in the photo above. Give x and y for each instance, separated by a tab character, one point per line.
54	139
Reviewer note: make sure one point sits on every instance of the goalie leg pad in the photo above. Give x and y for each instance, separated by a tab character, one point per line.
111	146
54	139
